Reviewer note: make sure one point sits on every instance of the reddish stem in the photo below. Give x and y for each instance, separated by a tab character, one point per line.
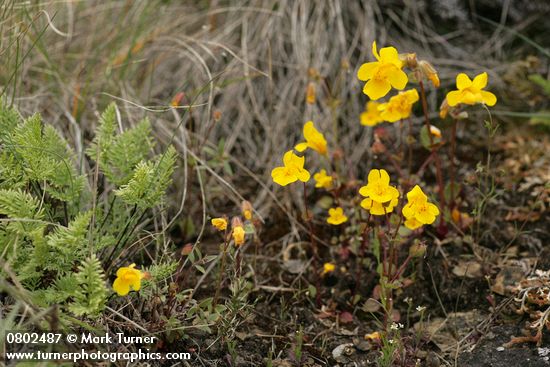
452	168
437	160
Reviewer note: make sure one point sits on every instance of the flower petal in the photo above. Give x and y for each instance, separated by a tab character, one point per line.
287	158
412	224
366	203
384	177
136	284
425	217
363	191
367	70
374	50
454	98
122	288
480	81
389	55
376	88
303	175
488	98
398	79
377	208
300	147
463	81
407	211
281	176
374	176
433	209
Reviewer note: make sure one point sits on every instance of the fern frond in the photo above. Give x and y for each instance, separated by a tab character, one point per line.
91	292
150	180
46	158
119	154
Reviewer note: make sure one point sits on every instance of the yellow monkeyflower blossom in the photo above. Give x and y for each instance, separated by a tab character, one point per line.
373	336
399	106
336	216
371	116
322	179
383	74
127	277
219	223
418	211
314	140
471	91
292	171
381	198
328	268
238	235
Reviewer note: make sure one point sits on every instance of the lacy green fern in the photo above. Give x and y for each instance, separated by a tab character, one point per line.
53	226
148	184
90	295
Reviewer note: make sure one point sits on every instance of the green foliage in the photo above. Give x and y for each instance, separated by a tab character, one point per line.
90	294
543	118
44	157
52	230
149	181
118	155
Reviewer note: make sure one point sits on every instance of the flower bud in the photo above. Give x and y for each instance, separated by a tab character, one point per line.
435	131
246	209
310	93
378	147
236	222
313	73
409	60
417	249
427	70
444	109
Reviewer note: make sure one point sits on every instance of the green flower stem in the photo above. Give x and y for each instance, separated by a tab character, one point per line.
222	268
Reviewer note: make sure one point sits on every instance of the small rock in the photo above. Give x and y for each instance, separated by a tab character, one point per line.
500	349
341	352
361	344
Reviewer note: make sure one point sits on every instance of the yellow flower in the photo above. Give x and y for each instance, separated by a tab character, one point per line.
336	216
471	92
238	235
328	268
399	106
292	171
383	74
322	179
371	116
314	140
418	211
219	223
373	336
127	277
381	198
412	223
